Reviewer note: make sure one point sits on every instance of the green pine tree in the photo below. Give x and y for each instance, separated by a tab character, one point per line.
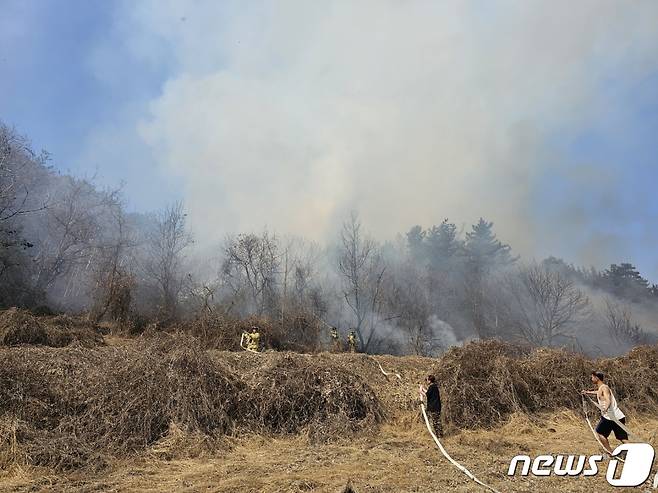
483	253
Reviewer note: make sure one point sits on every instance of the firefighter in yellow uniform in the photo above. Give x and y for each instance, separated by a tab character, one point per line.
335	340
351	340
253	340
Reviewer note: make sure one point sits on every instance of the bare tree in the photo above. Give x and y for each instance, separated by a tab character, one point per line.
362	270
204	294
409	302
299	275
68	233
545	305
621	326
251	268
165	245
22	174
113	282
20	168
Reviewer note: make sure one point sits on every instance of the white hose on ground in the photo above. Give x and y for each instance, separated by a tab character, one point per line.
388	374
438	443
447	456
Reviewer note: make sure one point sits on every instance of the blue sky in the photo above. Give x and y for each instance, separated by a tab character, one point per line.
102	85
623	148
48	90
51	93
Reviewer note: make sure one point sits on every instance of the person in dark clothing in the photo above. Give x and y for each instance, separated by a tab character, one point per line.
433	404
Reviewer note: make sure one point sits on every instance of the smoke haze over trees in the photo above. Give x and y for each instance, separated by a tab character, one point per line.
69	245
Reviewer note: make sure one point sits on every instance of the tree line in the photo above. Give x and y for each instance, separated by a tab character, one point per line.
67	244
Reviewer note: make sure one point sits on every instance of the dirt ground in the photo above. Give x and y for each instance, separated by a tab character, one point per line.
401	457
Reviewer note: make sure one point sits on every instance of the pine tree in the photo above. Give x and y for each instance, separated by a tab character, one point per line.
416	243
442	243
483	252
625	281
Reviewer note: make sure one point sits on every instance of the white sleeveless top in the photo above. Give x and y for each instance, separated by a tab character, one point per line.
613	413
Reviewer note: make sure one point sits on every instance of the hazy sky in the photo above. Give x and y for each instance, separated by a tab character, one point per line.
539	116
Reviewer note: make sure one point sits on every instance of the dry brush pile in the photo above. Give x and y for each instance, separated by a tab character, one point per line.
483	383
294	332
73	407
295	393
21	327
69	407
80	404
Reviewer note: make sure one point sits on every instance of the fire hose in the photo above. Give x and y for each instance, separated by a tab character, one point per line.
463	469
438	442
447	456
386	374
429	428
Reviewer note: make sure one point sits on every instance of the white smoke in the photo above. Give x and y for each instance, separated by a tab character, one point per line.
287	114
443	333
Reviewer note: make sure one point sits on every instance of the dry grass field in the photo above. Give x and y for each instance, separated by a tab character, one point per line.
399	458
161	413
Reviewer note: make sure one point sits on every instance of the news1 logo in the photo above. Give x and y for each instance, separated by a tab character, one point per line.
635	469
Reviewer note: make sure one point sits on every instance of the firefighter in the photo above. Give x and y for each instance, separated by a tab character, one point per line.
335	340
351	340
253	339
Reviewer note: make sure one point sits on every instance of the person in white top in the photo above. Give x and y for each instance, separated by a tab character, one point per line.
610	412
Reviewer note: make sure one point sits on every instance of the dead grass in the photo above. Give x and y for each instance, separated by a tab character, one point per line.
395	460
20	327
164	398
145	389
295	393
484	383
74	407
